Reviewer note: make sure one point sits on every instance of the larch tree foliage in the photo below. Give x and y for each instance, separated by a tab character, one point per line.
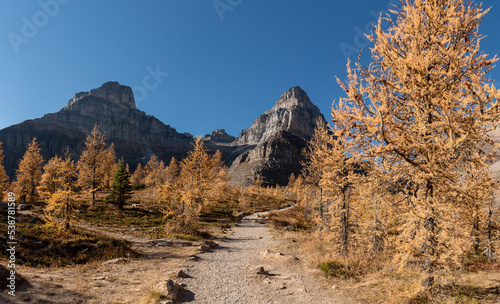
50	181
93	163
172	171
202	181
420	109
109	166
4	178
121	188
336	174
61	203
138	176
155	171
29	173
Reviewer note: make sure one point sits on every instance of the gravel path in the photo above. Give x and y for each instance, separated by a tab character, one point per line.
229	273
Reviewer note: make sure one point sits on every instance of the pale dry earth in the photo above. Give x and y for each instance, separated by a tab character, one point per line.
227	274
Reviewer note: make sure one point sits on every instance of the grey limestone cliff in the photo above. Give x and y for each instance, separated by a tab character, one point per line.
275	140
271	147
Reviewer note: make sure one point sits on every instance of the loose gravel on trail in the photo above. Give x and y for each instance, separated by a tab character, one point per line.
228	274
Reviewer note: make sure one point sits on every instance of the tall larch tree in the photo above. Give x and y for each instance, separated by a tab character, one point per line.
29	173
201	183
92	163
4	178
328	150
421	108
61	204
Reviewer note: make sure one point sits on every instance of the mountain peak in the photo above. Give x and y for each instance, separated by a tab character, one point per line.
294	96
111	91
293	112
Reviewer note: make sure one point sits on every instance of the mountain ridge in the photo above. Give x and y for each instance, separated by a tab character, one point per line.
137	136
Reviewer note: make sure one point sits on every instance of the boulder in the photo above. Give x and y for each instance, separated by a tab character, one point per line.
170	289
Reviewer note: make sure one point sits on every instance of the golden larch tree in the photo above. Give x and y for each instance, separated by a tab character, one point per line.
420	109
29	173
201	182
61	204
92	163
329	150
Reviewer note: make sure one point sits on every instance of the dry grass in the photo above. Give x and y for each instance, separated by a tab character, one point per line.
375	279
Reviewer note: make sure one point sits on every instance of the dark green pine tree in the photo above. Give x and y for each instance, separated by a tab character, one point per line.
121	188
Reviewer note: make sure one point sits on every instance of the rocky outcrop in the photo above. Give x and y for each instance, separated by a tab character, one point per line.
293	112
276	140
219	136
110	91
136	136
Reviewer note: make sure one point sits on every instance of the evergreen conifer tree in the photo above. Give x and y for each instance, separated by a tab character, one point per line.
121	188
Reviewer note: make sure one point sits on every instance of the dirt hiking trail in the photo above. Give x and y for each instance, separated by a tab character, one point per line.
232	272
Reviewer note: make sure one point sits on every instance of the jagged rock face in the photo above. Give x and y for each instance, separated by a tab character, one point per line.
293	112
274	160
276	140
136	136
219	136
112	92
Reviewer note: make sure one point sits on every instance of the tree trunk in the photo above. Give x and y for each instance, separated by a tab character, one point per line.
490	228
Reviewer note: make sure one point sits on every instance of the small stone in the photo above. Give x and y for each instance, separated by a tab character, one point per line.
22	207
334	287
182	274
211	244
135	229
193	258
114	261
262	271
204	248
99	278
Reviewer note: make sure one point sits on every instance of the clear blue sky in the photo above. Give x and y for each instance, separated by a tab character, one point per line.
224	68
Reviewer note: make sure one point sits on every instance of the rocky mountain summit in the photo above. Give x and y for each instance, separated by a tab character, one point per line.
110	91
136	136
271	147
276	138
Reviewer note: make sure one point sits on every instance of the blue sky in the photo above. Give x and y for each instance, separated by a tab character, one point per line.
224	67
